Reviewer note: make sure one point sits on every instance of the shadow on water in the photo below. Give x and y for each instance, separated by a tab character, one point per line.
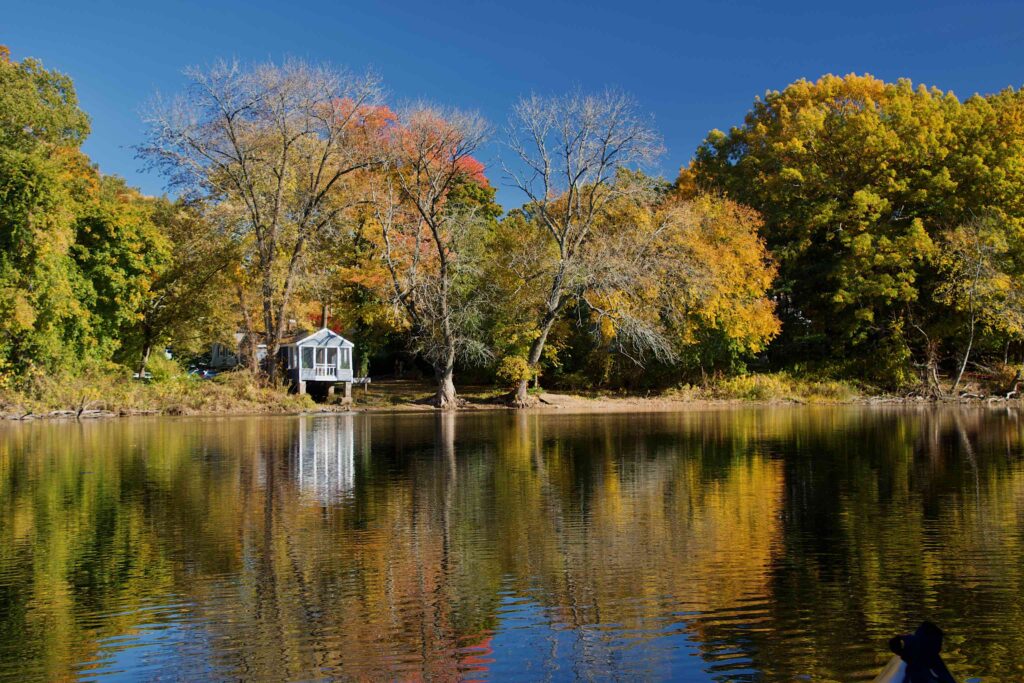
771	544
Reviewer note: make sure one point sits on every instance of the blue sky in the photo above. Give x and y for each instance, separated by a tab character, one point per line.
694	65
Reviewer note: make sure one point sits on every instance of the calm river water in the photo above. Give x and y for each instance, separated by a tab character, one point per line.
773	544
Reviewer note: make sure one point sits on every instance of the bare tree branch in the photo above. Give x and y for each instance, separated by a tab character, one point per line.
566	153
278	143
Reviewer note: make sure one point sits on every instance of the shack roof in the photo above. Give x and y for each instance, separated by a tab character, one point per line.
322	337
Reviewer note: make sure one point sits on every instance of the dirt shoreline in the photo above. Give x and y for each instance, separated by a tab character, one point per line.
545	403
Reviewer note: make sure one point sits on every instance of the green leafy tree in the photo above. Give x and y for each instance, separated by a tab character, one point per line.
119	250
856	179
191	298
43	324
848	174
38	107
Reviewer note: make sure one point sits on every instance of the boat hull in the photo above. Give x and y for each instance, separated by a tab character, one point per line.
893	672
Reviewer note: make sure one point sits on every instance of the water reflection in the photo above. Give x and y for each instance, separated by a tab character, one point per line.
324	457
732	545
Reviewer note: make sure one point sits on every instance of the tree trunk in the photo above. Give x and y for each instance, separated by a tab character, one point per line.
521	398
446	398
963	365
147	349
1014	387
246	349
269	327
270	367
936	384
931	370
276	326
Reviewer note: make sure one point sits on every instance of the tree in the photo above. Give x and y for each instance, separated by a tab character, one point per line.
187	301
857	180
276	145
681	282
39	107
431	219
517	254
980	281
849	174
120	250
569	150
43	323
708	276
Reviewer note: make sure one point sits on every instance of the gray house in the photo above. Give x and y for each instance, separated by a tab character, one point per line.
224	357
316	361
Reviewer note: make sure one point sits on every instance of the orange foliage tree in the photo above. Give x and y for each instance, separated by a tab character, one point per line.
431	223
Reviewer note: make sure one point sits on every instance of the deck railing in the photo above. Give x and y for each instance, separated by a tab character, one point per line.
324	371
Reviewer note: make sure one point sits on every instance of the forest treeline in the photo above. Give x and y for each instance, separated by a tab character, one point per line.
849	228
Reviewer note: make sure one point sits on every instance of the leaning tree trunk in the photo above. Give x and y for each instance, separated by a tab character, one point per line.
963	364
521	398
148	335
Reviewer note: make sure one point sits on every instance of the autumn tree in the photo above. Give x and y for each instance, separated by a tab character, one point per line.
277	146
350	275
682	282
708	276
43	323
190	298
432	225
120	251
979	281
666	283
857	179
566	154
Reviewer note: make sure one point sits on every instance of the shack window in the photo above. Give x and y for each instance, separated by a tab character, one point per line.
332	358
320	356
346	359
307	357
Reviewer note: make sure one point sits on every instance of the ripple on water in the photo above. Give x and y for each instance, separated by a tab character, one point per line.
769	545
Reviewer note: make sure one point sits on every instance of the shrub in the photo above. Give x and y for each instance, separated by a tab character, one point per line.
513	369
782	386
163	368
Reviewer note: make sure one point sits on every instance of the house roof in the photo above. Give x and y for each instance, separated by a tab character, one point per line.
322	337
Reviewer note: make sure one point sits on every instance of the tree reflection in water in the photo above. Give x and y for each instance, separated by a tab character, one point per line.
753	544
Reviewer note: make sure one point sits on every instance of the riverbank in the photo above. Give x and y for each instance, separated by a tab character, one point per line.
762	389
407	396
100	395
106	396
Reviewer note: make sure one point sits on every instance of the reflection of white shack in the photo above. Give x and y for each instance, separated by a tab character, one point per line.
324	461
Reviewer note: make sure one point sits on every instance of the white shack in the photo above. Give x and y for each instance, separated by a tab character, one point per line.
317	361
